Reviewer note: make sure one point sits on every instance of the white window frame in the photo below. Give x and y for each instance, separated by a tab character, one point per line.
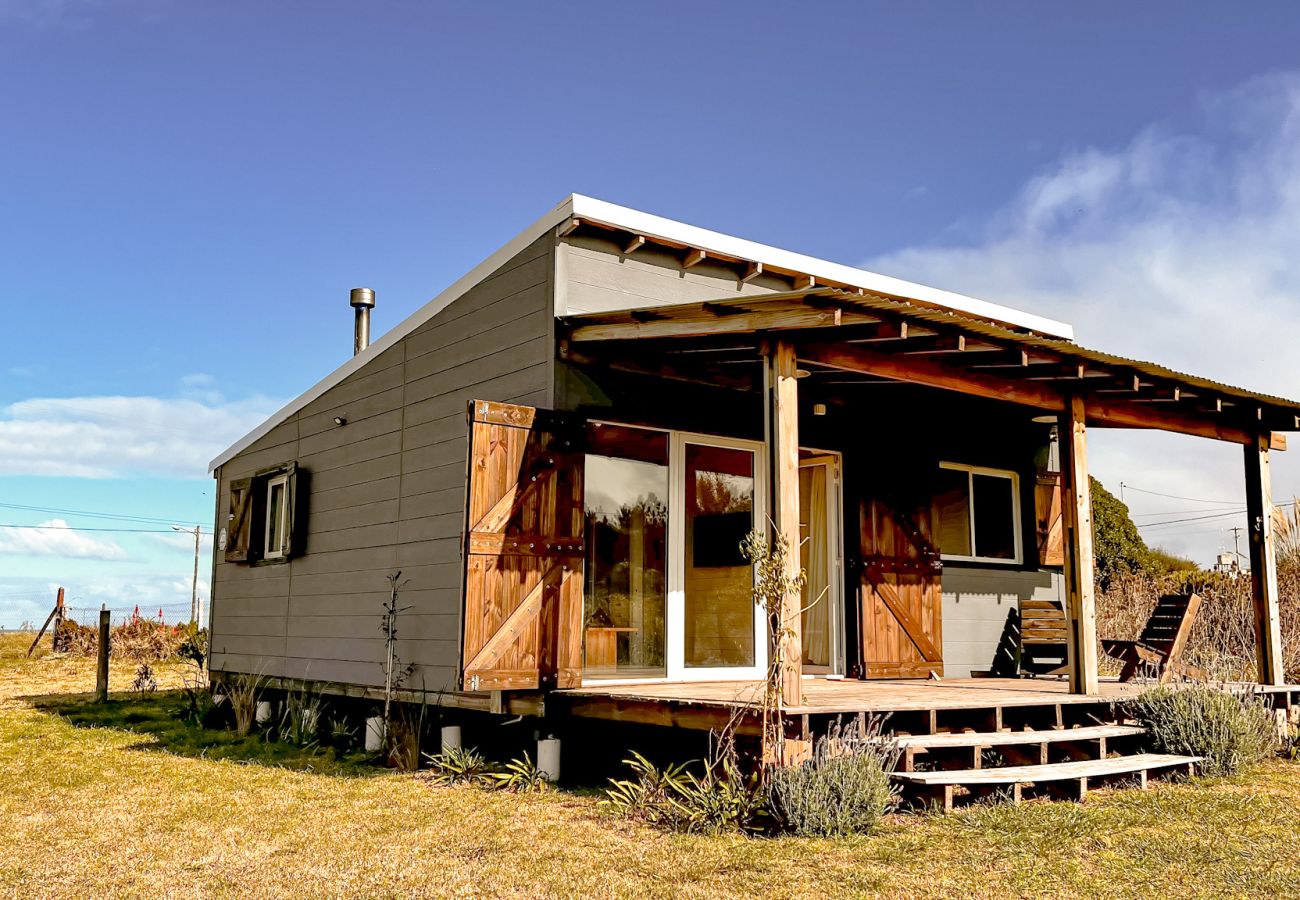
971	471
278	552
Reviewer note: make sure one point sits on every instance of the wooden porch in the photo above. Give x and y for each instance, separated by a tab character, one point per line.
912	706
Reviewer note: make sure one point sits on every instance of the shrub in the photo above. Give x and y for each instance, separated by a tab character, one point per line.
843	789
722	799
145	682
145	640
75	639
458	765
300	717
1227	730
243	691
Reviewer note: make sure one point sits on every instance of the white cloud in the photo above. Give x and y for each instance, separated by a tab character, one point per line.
106	437
1179	248
57	538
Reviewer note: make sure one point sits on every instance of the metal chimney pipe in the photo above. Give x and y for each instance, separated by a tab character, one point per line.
363	301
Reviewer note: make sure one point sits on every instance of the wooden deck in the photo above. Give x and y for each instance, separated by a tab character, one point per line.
915	706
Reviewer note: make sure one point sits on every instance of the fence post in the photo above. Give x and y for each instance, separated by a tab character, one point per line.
101	670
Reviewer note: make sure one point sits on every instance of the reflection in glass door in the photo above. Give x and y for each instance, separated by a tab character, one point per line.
714	628
625	498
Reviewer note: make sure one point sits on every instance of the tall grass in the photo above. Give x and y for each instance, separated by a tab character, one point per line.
1222	641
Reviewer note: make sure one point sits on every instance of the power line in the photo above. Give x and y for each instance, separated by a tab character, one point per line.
71	528
1222	515
125	517
1129	487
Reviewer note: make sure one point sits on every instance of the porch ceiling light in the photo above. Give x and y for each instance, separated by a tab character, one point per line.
801	373
1044	420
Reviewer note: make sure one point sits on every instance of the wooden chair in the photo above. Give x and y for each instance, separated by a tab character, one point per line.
1044	638
1160	646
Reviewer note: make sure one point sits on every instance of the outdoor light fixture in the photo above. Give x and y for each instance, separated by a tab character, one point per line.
801	373
819	409
1044	420
339	420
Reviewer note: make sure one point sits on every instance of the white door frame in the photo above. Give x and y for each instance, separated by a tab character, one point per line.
675	614
832	461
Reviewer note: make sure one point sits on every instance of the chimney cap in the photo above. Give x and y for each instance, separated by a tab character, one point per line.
362	298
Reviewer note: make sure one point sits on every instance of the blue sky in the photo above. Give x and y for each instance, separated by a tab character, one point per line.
191	189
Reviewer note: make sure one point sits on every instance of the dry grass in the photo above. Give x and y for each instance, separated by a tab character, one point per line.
1223	636
108	812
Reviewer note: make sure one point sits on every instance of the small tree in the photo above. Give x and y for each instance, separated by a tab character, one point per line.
772	585
1118	547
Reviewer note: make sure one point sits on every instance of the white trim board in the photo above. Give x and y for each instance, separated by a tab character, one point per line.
577	205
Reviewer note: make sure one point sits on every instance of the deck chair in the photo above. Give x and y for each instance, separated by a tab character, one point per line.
1044	638
1160	646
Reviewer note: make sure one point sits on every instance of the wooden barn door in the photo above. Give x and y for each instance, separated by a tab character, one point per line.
523	550
900	595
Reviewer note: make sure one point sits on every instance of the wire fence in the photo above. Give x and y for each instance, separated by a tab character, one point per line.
166	613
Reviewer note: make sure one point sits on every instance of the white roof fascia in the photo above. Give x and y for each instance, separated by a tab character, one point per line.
402	329
657	226
577	205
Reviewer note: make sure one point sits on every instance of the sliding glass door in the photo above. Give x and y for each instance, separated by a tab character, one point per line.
715	630
626	490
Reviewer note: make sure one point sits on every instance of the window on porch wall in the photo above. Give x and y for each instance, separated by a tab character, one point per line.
978	514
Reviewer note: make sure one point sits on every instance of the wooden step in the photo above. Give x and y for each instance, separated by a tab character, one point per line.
938	787
979	741
1008	738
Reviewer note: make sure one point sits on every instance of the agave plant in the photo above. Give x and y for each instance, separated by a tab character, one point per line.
458	765
521	776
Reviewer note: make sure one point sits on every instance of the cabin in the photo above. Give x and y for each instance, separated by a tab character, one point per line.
562	452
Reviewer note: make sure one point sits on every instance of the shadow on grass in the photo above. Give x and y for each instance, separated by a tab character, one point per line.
161	717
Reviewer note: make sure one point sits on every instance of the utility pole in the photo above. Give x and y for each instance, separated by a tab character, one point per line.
197	531
1236	540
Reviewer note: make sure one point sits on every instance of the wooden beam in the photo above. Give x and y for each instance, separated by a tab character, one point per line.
804	282
1076	508
1263	562
696	326
856	358
752	271
637	242
785	506
567	227
937	343
694	257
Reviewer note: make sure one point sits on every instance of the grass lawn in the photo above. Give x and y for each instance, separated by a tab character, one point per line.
142	808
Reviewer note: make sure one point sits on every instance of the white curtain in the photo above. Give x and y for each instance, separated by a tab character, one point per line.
814	556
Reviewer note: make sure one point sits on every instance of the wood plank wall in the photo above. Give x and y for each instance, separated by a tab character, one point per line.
386	492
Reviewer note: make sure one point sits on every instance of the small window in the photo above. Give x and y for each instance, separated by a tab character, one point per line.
261	515
277	517
978	514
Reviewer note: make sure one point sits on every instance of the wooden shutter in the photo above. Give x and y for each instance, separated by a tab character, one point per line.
1047	517
901	601
523	550
239	519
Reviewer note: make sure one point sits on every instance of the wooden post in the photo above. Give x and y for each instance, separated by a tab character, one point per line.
1263	562
101	669
1076	511
785	507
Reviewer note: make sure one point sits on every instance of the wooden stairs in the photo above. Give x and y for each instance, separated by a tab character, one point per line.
939	769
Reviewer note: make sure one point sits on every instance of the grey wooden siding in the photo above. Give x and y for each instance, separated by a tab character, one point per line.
978	605
596	276
386	493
